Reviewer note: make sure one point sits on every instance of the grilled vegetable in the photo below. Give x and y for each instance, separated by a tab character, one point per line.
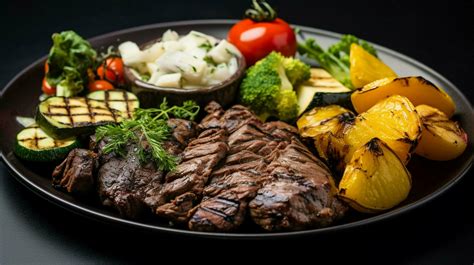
325	119
326	126
62	117
120	100
441	138
333	150
322	90
393	120
336	59
375	179
417	89
366	68
33	144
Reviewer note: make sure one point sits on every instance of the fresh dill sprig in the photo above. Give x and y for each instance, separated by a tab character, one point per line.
189	110
148	130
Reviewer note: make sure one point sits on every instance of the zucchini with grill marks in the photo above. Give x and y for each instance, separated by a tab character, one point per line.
121	100
62	117
33	144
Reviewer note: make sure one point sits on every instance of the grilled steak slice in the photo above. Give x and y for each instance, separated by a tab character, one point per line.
76	174
182	132
213	119
225	203
123	182
299	194
198	160
231	120
178	208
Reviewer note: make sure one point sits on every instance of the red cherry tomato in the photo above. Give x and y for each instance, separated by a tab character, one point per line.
47	88
256	40
100	85
113	70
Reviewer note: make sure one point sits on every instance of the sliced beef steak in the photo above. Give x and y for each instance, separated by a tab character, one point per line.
182	132
198	160
230	120
235	183
123	182
225	203
76	174
299	194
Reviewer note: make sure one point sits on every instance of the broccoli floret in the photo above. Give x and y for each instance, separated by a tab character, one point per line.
268	90
296	70
287	105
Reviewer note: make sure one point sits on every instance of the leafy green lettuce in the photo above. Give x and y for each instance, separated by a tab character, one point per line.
68	61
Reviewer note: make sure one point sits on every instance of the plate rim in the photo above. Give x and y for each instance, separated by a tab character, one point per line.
92	214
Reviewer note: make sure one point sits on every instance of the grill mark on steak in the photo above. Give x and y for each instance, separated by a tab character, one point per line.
230	120
198	160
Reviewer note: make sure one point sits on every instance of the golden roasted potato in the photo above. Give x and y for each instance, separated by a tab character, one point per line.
393	120
320	120
441	139
366	68
375	179
417	89
332	149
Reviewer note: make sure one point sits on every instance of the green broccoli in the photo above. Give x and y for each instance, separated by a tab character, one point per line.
268	86
336	59
296	71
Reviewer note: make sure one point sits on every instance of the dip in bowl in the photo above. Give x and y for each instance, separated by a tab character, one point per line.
195	67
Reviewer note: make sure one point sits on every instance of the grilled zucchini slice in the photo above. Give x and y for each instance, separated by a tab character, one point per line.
62	117
117	99
322	90
33	144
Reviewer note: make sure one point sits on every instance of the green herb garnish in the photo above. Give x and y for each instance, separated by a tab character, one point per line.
206	46
148	130
209	60
145	77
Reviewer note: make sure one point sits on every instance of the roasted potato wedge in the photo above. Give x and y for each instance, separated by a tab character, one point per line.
417	89
393	120
319	120
333	150
441	139
375	179
366	68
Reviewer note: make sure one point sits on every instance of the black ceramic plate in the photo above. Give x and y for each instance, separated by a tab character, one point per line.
20	97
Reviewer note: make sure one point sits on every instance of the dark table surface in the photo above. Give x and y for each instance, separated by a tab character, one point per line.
33	231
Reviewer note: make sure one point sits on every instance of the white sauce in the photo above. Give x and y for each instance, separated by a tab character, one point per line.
190	61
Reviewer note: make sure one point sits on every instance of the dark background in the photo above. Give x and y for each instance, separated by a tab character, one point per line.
439	35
